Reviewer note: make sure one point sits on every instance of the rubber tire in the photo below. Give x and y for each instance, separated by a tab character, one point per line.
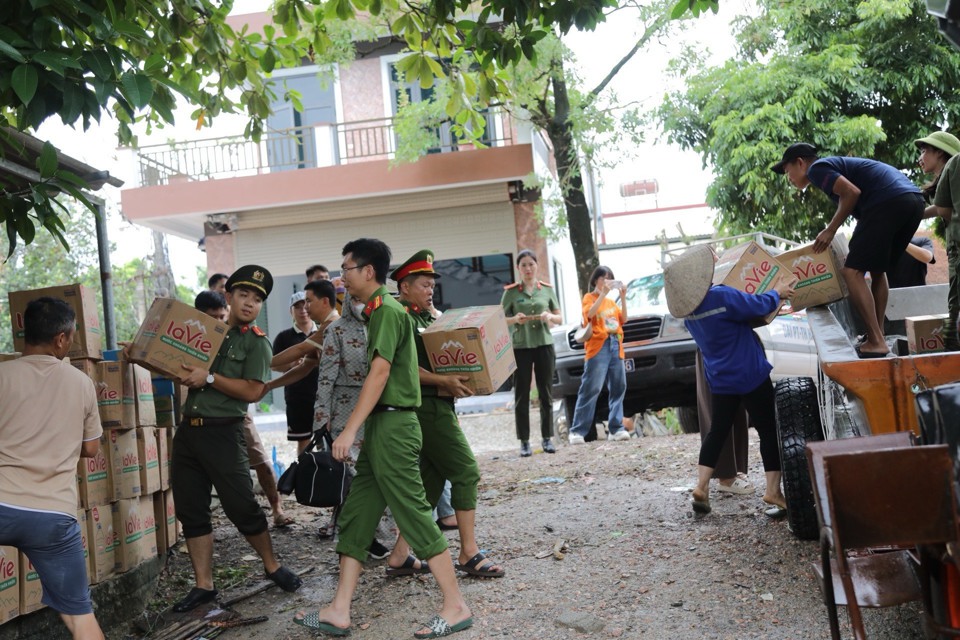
689	419
798	422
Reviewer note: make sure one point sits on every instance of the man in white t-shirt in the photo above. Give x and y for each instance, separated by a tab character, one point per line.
49	420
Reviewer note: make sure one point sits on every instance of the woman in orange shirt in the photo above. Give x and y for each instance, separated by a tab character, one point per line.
603	358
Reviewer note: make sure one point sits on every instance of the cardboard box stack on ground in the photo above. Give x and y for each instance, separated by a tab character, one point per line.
752	269
128	524
102	542
818	274
88	340
148	545
472	341
124	459
149	453
143	397
30	589
925	333
87	366
115	395
96	484
174	334
9	584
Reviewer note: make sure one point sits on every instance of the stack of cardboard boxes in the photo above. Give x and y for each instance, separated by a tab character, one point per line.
125	505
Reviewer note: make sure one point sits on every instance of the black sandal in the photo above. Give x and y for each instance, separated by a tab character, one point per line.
285	579
408	568
475	567
194	599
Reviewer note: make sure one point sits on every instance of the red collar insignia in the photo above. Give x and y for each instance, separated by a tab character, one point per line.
372	306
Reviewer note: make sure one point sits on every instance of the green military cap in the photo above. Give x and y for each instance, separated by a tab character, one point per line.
253	277
420	263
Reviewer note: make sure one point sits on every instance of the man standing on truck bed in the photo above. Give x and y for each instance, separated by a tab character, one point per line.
888	208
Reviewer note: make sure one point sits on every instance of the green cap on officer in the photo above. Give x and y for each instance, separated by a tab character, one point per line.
253	277
420	263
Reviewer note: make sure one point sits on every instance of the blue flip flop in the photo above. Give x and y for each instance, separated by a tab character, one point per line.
312	621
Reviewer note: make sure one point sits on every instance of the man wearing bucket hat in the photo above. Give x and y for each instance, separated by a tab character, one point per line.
888	208
208	448
946	204
719	319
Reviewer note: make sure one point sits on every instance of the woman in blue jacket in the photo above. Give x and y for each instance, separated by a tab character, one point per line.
719	319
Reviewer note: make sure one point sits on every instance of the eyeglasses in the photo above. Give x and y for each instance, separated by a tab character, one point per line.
359	266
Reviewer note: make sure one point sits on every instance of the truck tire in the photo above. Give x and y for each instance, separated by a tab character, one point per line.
798	422
689	419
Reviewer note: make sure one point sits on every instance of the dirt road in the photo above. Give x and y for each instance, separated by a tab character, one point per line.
637	564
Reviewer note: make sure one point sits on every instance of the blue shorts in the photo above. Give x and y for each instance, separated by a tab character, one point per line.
53	543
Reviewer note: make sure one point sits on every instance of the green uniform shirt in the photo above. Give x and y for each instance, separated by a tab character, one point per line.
421	320
390	336
948	195
533	333
244	355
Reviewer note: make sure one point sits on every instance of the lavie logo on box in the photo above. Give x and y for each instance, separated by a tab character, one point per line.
454	357
756	277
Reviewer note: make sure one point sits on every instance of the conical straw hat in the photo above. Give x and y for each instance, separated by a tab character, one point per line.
687	278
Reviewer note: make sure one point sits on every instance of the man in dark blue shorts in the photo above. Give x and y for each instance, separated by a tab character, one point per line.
49	421
888	209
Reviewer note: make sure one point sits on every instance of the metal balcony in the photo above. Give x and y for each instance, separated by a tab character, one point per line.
304	147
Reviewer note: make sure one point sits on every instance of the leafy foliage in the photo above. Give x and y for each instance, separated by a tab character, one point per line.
863	79
84	58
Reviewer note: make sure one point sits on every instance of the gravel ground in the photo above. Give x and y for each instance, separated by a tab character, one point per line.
637	564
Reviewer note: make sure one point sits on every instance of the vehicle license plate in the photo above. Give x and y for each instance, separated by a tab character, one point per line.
628	364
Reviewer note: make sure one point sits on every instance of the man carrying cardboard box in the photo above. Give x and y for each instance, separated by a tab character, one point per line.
445	455
207	448
388	472
888	209
40	445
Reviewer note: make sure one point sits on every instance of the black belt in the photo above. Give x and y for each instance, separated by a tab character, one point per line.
189	421
380	408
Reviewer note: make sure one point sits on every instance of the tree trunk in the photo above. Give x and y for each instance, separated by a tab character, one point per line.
570	176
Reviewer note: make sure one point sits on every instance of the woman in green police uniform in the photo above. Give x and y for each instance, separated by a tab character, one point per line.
532	309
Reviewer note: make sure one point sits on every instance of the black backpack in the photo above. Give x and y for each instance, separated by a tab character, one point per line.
316	478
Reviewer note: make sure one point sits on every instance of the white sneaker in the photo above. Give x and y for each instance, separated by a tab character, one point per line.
623	434
575	439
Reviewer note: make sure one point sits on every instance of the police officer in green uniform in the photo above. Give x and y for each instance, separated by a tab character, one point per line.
388	469
531	308
445	454
209	447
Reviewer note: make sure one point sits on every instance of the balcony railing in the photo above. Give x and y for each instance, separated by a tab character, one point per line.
304	147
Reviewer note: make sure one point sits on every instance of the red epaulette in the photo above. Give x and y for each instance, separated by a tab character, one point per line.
257	331
372	306
511	286
545	284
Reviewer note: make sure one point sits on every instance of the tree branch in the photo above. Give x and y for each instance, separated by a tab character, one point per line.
648	33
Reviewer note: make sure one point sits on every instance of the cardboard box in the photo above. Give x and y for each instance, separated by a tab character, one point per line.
87	365
30	589
472	341
163	453
174	334
149	453
4	357
9	584
167	526
172	533
150	527
818	274
925	333
96	485
115	393
143	397
128	523
88	341
750	268
102	542
124	458
85	539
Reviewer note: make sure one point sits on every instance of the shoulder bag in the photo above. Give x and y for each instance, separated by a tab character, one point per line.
316	478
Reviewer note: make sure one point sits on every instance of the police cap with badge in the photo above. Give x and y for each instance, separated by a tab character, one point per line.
251	276
420	263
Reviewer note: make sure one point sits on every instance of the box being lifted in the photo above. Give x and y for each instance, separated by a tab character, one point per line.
174	334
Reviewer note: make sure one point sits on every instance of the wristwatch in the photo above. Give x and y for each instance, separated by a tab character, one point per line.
210	378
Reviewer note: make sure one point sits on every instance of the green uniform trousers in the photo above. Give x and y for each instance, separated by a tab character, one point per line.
950	337
388	475
213	456
446	455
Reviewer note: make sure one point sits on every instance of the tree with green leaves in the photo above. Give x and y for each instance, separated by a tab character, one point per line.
863	79
83	59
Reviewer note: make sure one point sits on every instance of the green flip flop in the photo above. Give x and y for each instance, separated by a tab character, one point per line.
312	621
440	628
